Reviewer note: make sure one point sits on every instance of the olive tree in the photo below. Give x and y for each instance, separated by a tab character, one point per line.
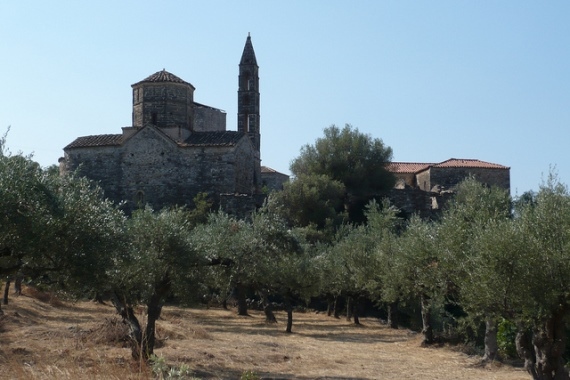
59	231
418	271
544	291
475	214
160	260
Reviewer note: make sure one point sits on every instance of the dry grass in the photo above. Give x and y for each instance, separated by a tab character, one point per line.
56	340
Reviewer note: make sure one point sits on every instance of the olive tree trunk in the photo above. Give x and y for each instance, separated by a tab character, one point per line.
356	305
142	343
427	329
289	310
128	315
7	290
491	346
331	302
241	299
543	348
393	316
268	310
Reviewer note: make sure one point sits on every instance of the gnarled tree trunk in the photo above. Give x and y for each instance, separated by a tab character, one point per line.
427	329
393	316
289	309
543	349
267	310
7	290
143	343
491	346
525	350
356	304
331	301
129	317
549	342
241	299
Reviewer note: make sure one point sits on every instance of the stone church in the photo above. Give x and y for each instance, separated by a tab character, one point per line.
176	147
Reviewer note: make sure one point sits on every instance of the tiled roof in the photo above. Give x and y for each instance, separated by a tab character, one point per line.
223	138
407	167
468	163
416	167
97	140
267	169
162	76
200	105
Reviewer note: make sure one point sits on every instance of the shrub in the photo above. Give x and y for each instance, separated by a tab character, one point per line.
506	335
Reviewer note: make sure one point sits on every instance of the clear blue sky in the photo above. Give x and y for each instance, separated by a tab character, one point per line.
433	79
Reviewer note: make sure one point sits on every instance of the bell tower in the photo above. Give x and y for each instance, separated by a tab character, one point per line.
248	95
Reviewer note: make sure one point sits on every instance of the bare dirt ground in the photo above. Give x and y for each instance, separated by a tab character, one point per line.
43	339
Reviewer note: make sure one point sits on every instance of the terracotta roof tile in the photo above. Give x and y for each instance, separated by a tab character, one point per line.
224	138
407	167
267	169
162	76
96	140
468	163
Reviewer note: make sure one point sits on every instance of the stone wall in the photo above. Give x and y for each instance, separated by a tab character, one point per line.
163	105
448	178
273	180
208	119
425	204
151	168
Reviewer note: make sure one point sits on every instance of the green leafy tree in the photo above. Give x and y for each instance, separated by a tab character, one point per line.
473	218
544	288
355	159
160	260
384	224
262	255
310	200
353	265
59	231
418	271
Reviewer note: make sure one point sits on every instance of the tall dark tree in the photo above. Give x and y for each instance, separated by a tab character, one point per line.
310	200
355	159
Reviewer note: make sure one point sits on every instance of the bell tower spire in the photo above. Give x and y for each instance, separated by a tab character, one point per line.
248	95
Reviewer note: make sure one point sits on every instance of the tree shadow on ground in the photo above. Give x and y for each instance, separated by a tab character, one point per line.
226	373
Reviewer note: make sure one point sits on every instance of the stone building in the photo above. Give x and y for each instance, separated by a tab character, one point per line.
271	179
447	174
424	188
176	147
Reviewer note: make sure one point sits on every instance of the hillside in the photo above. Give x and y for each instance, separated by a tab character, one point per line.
50	339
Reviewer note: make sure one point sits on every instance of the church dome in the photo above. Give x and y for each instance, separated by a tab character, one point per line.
161	77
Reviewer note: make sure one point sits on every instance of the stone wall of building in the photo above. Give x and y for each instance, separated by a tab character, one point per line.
208	119
151	168
273	180
425	204
163	104
450	177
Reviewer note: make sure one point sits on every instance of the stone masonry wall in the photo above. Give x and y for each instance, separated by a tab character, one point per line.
450	177
208	119
150	168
